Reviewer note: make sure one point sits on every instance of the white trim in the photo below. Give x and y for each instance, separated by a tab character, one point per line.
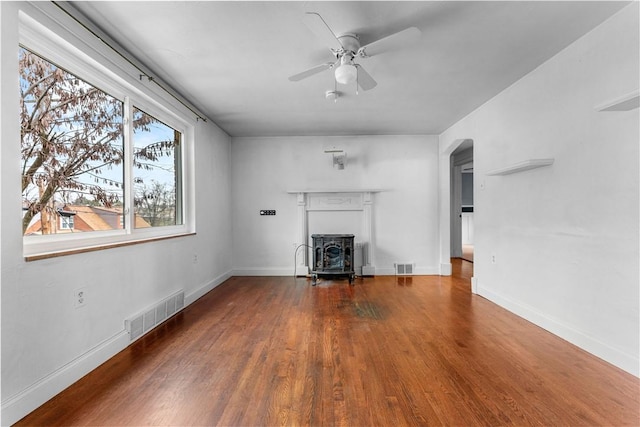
44	245
446	269
336	190
75	36
29	399
418	271
16	407
569	333
626	102
288	271
59	39
192	296
337	200
474	285
265	271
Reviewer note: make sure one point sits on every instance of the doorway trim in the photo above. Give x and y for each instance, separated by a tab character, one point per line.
446	211
460	157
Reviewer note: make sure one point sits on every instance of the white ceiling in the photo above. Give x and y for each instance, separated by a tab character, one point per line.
232	59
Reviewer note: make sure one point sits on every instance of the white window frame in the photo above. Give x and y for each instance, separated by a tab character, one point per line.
66	222
59	39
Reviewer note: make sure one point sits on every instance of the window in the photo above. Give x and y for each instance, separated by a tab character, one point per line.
156	157
96	168
72	146
66	222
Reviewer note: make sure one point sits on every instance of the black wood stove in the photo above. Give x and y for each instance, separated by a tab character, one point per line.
332	256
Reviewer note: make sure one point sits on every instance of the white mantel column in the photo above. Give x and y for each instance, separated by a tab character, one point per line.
302	262
368	268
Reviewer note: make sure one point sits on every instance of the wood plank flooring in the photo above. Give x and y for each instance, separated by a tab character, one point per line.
388	351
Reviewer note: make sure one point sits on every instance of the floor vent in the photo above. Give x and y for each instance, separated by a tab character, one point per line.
404	269
145	321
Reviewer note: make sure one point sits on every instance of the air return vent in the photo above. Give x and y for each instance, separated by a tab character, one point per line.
404	269
143	322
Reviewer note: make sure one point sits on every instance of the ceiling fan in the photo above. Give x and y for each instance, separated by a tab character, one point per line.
346	48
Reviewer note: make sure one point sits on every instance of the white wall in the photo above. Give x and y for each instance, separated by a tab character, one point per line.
565	237
405	223
47	343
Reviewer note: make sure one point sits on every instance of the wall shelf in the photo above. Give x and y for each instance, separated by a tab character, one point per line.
626	102
522	166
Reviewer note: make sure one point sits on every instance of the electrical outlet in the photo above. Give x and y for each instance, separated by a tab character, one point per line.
80	297
267	212
493	258
195	258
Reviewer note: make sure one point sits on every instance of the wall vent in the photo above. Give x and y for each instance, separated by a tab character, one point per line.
148	319
404	269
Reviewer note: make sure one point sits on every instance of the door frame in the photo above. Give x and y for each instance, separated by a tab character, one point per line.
448	215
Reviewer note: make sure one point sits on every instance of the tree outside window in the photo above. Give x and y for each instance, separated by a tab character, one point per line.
73	156
156	160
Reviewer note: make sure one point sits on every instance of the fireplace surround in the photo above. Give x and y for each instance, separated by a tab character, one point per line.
332	256
343	200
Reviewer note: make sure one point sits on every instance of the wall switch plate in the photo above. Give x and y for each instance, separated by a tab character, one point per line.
267	212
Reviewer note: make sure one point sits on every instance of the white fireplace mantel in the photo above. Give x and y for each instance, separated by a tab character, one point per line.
343	190
344	199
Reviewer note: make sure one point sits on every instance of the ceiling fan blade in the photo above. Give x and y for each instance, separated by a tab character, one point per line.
311	71
365	81
320	28
394	41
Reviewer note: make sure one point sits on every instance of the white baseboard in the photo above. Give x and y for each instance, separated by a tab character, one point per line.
17	407
446	269
576	337
419	271
385	271
267	271
284	271
427	271
202	290
368	270
474	285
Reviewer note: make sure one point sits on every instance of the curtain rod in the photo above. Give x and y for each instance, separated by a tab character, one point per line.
126	58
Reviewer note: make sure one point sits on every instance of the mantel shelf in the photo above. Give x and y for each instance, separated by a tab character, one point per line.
337	190
626	102
522	166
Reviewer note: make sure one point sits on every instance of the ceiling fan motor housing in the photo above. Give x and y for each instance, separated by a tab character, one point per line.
350	44
346	72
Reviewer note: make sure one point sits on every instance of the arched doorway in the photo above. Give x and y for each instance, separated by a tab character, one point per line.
461	201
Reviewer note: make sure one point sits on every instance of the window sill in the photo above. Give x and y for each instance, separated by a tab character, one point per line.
66	252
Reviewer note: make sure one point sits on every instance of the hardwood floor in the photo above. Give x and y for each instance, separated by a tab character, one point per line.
388	351
467	253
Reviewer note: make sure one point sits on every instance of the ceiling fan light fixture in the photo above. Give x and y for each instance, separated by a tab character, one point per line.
346	73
